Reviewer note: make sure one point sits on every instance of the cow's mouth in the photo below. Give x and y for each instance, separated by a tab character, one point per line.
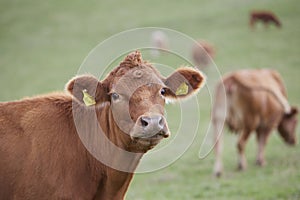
151	140
148	131
291	141
150	128
164	133
161	134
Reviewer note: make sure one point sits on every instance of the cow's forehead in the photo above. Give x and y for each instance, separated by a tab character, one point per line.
135	78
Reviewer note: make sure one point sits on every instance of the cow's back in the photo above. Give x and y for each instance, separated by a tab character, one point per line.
252	105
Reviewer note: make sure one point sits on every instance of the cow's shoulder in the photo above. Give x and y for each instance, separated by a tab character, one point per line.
47	102
17	116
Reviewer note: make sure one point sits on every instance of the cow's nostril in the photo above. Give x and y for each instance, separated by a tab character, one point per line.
161	122
152	123
144	122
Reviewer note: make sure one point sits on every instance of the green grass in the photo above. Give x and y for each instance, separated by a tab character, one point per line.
42	44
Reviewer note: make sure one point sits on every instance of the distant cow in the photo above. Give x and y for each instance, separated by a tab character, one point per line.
49	144
160	42
203	53
266	17
252	100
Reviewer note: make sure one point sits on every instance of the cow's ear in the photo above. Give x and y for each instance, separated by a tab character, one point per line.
294	111
87	90
185	81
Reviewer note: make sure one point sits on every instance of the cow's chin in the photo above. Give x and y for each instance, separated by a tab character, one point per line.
146	141
145	144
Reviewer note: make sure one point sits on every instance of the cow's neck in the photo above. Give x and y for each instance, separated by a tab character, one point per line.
114	174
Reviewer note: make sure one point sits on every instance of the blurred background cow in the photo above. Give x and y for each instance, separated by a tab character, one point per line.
252	101
203	53
266	17
160	42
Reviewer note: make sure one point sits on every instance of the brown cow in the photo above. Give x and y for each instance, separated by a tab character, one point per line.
265	16
160	42
203	53
252	100
49	144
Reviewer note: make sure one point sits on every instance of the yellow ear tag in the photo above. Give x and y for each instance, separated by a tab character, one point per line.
88	99
183	89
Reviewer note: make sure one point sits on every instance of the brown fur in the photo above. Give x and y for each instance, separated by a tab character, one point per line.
266	17
252	102
159	42
48	143
203	53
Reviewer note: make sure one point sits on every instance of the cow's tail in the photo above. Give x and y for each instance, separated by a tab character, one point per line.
218	118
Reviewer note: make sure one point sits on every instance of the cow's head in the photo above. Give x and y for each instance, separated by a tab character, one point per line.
137	93
287	126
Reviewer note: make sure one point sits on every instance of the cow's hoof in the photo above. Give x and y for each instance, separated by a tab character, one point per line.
241	167
218	174
260	163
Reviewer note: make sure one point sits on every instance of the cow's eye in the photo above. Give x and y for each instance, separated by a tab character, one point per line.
163	91
114	96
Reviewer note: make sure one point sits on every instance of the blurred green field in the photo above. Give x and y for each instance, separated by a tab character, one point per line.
43	43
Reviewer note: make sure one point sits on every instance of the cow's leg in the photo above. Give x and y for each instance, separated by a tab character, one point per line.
242	162
218	168
218	117
262	136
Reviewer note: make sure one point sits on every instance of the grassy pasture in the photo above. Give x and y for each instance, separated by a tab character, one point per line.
43	43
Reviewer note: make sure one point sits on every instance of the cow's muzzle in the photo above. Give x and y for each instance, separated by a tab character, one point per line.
151	126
